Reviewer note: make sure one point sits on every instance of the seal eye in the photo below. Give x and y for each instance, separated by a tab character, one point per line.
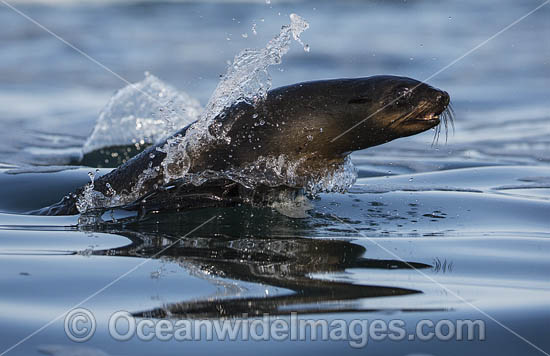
360	100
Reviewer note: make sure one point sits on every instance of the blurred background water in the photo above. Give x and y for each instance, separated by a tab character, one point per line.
500	91
487	215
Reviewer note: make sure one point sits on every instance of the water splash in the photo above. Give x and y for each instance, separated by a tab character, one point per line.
144	112
338	179
247	79
90	198
282	171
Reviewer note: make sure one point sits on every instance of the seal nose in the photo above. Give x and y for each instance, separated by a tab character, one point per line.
443	98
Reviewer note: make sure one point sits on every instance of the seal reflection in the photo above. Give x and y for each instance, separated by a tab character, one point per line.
239	253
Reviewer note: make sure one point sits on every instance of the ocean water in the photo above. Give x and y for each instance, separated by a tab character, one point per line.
447	231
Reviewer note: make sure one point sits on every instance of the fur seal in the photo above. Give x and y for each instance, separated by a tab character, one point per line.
308	123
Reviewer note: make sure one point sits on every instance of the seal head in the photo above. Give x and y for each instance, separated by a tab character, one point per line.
323	121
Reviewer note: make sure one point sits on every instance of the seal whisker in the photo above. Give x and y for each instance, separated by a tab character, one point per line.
452	116
435	140
445	118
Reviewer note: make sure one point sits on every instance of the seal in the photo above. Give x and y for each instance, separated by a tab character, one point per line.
315	124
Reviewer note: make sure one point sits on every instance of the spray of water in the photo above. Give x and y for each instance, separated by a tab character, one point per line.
145	112
247	80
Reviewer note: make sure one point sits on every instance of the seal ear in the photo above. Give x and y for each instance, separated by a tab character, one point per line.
360	100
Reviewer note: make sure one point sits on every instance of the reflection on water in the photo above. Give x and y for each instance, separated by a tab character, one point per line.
287	264
392	248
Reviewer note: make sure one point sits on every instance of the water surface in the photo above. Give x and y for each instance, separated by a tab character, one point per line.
455	230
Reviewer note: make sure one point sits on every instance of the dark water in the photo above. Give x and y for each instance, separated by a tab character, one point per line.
446	232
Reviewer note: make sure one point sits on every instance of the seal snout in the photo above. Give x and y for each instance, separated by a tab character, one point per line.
438	104
443	98
431	108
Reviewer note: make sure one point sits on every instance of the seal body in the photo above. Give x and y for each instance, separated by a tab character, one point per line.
315	124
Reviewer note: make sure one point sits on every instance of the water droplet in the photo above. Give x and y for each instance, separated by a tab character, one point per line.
245	35
306	48
110	191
